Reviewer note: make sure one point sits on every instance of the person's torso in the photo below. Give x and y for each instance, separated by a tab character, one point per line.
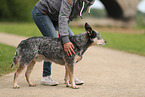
52	7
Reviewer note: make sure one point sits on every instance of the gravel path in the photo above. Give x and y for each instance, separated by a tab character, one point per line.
106	72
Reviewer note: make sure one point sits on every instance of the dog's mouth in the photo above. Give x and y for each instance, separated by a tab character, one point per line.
101	42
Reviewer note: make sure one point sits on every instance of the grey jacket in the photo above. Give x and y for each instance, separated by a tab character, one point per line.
63	11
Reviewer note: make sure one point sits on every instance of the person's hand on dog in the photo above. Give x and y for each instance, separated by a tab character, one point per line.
68	48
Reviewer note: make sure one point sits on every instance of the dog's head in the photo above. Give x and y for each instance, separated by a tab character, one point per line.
94	35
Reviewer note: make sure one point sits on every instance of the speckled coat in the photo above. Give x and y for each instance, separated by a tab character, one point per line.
51	49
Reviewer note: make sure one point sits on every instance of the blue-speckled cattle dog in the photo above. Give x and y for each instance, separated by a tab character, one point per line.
51	49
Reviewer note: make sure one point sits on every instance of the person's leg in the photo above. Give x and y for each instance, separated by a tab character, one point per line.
47	28
44	23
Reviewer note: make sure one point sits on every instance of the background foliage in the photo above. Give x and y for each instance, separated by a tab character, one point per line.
140	18
16	10
20	10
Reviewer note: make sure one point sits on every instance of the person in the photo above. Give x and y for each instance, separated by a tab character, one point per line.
52	18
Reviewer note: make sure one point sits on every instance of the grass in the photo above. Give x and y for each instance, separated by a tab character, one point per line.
133	43
22	29
128	42
139	27
27	29
6	57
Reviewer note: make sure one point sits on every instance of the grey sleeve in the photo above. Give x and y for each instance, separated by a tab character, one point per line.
65	10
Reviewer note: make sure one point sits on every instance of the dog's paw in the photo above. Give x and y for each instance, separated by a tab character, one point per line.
32	85
75	87
68	85
16	87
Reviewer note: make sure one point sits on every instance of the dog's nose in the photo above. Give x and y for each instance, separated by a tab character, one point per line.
105	41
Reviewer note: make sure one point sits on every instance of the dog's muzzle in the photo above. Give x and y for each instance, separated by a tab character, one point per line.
101	42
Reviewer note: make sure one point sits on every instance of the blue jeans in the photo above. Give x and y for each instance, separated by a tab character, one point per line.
48	28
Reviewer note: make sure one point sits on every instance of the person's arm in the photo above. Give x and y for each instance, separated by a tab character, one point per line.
65	11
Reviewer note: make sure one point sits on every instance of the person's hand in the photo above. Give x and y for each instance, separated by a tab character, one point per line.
57	33
68	48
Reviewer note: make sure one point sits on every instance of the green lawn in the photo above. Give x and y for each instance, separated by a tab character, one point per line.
6	57
23	29
133	43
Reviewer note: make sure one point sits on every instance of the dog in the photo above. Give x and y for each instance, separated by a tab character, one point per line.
51	49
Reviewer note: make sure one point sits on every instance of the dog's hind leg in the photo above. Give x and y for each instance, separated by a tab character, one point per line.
28	72
18	71
70	69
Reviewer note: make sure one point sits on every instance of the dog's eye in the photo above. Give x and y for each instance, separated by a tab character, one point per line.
98	38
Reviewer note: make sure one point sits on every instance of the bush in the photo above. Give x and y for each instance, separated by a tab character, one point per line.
16	10
140	18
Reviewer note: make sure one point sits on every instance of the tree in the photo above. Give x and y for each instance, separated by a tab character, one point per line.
16	10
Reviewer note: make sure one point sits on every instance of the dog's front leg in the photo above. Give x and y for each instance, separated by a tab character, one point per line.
66	79
70	70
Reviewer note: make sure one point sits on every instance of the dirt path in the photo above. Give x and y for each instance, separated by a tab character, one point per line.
106	72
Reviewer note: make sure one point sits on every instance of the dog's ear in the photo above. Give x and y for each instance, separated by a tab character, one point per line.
88	27
91	33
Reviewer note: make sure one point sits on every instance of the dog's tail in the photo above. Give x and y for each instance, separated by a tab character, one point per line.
16	58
